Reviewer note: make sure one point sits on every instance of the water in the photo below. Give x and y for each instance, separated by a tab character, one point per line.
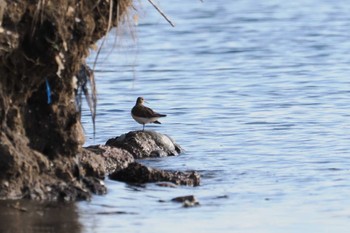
258	94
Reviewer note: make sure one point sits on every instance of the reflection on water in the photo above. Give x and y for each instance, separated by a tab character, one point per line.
35	217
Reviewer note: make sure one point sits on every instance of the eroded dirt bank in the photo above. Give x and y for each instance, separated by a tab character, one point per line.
43	44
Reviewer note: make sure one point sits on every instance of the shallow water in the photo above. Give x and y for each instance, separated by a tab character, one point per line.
258	94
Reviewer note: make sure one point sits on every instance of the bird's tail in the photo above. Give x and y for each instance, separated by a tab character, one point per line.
157	122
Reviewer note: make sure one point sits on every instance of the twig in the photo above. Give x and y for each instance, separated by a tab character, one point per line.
161	12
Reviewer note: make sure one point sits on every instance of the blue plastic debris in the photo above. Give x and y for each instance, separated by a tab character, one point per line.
48	92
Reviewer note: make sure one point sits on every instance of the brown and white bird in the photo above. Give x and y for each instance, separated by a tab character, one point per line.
144	115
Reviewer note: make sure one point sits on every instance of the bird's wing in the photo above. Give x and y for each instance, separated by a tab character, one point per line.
143	111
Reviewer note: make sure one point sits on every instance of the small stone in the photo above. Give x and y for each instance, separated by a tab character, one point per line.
187	204
190	198
187	201
95	185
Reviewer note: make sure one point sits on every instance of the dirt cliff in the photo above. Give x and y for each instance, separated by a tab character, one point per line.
43	45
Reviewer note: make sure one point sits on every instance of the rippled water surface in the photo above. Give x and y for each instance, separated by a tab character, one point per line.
257	92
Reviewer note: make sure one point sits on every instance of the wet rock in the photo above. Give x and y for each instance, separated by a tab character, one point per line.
143	144
187	201
187	204
190	198
93	165
138	173
96	185
114	159
59	191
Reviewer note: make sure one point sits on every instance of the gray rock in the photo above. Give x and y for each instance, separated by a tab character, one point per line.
140	174
143	144
187	201
104	159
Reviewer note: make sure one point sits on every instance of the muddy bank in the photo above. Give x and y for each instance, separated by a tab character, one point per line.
140	174
43	45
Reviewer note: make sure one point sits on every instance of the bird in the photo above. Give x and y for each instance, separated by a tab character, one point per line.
144	115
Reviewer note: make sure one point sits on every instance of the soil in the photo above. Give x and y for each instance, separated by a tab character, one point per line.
43	44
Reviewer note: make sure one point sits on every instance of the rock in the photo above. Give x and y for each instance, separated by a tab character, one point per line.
96	185
190	198
114	159
97	161
143	144
92	164
187	204
69	192
138	173
187	201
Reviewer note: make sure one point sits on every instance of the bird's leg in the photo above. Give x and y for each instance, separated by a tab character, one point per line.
143	129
